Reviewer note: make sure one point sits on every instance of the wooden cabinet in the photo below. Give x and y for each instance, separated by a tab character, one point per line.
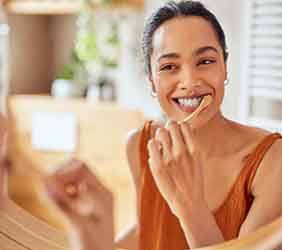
42	34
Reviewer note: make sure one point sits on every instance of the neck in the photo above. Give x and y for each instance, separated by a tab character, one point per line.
216	136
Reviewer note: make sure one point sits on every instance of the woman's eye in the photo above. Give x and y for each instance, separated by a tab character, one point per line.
206	62
168	67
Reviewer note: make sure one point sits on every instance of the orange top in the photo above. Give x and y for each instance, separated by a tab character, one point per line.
161	230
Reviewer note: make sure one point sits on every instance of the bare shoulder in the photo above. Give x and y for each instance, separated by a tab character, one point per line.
133	150
269	173
133	155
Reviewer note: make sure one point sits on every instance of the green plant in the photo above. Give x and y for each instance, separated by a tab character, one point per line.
96	47
74	68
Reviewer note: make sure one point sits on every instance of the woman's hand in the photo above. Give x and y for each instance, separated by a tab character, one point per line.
176	168
87	204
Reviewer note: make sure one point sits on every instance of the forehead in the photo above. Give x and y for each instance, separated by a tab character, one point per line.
181	33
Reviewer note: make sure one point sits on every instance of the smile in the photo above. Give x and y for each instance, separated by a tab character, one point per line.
188	104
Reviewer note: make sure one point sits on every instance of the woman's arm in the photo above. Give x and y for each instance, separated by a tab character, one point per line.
266	238
177	170
199	225
267	192
266	207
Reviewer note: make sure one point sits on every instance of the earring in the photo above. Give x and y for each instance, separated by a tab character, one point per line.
153	93
226	81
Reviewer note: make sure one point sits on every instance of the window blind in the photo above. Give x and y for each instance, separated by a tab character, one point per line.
261	103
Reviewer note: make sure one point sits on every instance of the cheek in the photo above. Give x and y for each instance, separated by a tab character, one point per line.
219	90
163	84
216	79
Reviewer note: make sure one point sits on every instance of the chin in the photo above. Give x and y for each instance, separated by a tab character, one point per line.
203	122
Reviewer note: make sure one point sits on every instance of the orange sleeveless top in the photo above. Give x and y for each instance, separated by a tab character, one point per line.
161	230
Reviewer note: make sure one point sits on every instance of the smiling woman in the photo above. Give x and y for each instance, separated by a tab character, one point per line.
206	182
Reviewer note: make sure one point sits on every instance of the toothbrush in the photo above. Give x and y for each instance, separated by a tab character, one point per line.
204	103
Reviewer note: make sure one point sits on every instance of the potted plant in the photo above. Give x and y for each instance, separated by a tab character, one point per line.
94	57
71	81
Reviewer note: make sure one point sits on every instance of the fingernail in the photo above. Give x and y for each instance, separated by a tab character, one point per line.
168	123
158	131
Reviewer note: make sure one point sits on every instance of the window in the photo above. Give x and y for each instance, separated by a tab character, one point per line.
261	103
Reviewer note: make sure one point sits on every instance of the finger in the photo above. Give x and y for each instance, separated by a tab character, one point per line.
163	137
76	171
162	178
178	144
73	208
154	152
154	127
94	183
56	192
158	171
71	171
188	137
69	166
93	188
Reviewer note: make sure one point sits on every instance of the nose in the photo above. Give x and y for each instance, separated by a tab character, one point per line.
188	79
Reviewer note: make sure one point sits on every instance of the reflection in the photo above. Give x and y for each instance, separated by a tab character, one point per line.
198	184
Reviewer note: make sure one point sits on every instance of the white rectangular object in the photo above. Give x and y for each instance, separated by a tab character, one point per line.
54	131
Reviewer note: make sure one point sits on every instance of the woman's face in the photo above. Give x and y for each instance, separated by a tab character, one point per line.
187	63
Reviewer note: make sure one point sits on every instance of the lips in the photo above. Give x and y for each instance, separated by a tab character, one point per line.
188	104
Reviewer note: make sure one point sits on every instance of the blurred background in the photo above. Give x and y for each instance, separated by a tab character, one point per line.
78	64
101	46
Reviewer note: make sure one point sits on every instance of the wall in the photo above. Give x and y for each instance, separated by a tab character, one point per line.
38	42
231	15
133	85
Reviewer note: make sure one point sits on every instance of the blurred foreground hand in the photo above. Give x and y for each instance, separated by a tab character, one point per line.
86	202
4	163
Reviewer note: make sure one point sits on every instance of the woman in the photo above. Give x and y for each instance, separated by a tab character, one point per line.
208	181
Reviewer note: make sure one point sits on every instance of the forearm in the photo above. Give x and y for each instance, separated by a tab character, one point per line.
200	227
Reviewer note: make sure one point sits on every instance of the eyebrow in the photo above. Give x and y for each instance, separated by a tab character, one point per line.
204	49
168	55
198	51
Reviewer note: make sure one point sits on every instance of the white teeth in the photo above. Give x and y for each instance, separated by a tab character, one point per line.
190	102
